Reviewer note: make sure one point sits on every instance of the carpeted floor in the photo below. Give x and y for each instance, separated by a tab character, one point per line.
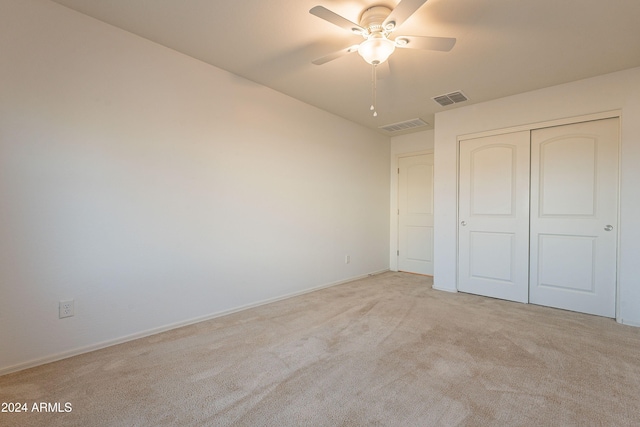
386	350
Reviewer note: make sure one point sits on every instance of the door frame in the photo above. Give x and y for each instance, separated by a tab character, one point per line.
394	227
539	125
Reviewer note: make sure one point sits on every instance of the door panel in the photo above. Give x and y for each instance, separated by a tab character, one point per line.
482	263
575	252
492	180
417	245
574	199
493	230
567	163
415	214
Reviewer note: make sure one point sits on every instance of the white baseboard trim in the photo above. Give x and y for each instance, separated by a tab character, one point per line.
628	323
453	291
149	332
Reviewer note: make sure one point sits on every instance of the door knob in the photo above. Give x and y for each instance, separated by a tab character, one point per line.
463	223
608	228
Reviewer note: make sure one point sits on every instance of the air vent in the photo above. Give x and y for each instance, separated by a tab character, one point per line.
443	100
409	124
450	98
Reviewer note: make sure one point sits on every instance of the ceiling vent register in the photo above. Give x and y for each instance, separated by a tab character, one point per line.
450	98
409	124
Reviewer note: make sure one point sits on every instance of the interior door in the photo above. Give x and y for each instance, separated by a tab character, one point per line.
493	230
574	200
415	214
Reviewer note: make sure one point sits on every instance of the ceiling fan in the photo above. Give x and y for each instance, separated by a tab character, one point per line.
377	23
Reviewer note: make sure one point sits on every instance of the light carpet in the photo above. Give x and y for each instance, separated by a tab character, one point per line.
382	351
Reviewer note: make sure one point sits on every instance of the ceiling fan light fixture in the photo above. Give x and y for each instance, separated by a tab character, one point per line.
376	49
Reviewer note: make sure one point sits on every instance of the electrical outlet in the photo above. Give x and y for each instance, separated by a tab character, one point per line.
66	309
347	259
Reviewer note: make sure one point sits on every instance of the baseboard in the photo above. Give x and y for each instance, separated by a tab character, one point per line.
154	331
628	323
453	291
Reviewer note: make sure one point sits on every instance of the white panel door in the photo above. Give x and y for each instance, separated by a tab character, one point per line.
574	200
493	228
415	214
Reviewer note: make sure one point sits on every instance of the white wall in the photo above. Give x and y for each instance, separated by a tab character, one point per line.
156	190
617	91
402	145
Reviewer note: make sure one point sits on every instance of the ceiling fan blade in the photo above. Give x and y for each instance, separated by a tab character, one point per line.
334	18
335	55
401	13
443	44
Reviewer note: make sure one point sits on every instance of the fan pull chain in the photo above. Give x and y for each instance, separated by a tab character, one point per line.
373	91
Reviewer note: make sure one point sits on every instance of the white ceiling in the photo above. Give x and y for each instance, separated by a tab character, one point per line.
503	47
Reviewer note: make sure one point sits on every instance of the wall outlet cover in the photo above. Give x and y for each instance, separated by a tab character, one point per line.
66	309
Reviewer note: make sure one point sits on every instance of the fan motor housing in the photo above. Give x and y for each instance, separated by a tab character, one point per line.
372	18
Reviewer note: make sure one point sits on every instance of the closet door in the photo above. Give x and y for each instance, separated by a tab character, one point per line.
493	218
574	202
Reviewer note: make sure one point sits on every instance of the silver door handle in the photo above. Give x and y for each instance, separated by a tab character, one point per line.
608	228
463	223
